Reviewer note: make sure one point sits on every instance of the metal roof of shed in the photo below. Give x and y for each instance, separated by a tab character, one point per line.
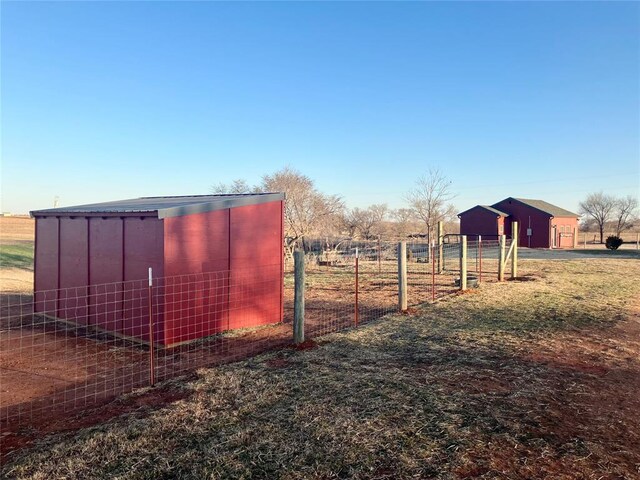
486	207
173	206
545	207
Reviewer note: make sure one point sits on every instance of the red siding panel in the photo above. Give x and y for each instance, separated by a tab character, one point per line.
105	272
196	243
564	231
46	262
527	217
479	221
143	248
256	263
74	269
196	256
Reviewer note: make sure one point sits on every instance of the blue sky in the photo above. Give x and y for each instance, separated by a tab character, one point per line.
102	101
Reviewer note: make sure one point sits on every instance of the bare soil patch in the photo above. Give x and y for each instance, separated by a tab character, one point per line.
16	280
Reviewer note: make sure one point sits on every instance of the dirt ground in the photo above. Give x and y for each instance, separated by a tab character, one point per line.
536	378
16	280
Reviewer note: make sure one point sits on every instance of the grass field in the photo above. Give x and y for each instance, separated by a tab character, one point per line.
536	378
17	255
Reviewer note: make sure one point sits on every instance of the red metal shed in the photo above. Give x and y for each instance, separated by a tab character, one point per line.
217	261
482	220
542	225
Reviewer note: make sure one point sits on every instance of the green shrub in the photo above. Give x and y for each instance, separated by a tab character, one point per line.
613	242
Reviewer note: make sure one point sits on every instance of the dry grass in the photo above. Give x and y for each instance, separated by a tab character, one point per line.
16	229
529	379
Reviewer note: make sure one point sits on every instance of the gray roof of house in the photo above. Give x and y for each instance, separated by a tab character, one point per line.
547	207
164	206
487	207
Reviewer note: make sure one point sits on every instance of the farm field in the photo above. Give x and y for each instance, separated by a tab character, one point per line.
535	378
16	254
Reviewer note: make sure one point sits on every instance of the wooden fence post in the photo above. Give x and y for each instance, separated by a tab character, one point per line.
501	262
356	307
298	306
463	262
402	276
575	237
584	245
515	234
440	246
480	255
433	276
637	241
379	256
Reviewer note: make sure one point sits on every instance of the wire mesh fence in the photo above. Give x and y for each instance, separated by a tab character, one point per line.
65	350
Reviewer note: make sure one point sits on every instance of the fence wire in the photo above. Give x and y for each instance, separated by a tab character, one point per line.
68	349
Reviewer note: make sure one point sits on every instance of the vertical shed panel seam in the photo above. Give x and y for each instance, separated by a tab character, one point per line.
88	293
281	253
229	272
58	272
35	259
122	313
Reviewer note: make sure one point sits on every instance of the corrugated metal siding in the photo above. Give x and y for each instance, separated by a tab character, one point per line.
143	248
117	251
527	217
106	261
74	269
196	244
479	221
256	264
46	265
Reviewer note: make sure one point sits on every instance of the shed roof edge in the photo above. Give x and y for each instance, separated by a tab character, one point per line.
221	204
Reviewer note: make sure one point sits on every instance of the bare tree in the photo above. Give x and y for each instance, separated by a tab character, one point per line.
376	216
306	209
367	221
430	199
404	221
624	211
600	207
238	185
349	221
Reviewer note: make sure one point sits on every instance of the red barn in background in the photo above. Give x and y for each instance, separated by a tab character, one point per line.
217	261
542	225
482	220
